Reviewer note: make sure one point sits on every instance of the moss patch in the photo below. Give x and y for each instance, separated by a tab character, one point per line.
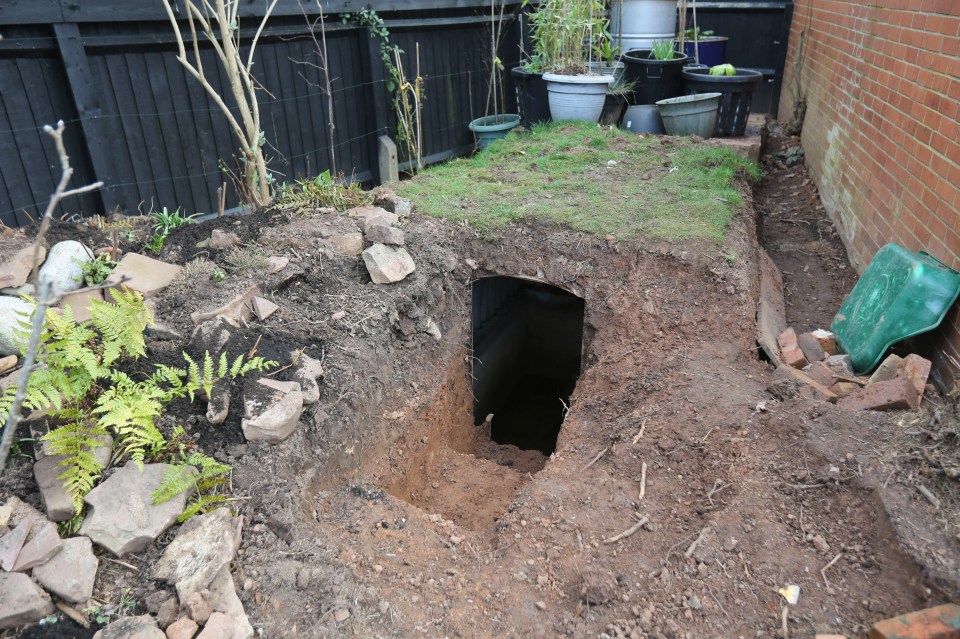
669	188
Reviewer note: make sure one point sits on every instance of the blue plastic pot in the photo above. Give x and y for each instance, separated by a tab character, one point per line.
712	50
493	127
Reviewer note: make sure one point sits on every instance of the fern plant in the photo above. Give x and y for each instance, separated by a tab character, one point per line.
193	473
79	384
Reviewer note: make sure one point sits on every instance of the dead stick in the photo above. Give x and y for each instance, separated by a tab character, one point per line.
643	481
73	614
594	460
122	563
696	542
783	622
930	496
823	571
643	425
629	531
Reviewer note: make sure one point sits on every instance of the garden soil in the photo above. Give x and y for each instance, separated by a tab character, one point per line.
389	514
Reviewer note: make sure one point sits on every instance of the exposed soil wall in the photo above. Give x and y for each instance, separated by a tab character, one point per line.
881	84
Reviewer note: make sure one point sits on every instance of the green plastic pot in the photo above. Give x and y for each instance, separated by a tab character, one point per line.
493	127
901	294
690	114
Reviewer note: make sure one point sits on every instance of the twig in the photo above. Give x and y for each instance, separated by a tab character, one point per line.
629	531
643	425
930	496
783	622
73	614
718	485
643	481
696	542
122	563
594	460
823	571
46	296
255	345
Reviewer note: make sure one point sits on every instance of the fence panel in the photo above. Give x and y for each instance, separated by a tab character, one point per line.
138	122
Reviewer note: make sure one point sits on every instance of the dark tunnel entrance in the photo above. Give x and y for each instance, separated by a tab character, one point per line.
527	346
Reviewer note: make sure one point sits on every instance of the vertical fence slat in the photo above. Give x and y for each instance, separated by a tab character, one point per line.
84	92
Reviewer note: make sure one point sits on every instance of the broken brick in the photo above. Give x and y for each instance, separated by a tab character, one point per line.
828	341
916	369
811	348
842	389
792	355
942	622
821	374
892	394
886	371
819	390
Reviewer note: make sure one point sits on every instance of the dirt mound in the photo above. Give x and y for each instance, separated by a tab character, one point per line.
390	513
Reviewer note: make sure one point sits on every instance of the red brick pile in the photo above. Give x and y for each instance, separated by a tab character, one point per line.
812	359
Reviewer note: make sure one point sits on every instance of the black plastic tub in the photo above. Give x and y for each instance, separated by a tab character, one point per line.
653	80
533	101
736	95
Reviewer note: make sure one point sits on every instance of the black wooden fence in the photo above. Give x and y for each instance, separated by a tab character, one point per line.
137	122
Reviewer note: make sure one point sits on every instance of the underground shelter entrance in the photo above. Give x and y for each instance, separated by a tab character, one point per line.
527	346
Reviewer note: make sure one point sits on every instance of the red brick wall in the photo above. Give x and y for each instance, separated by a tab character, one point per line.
881	133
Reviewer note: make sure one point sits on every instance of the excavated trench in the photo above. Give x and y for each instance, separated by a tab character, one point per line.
486	440
527	347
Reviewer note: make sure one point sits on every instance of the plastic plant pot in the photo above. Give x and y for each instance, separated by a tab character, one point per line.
533	101
737	95
690	114
577	97
653	80
712	50
493	127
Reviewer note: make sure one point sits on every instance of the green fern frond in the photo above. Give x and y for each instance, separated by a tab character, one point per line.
131	409
76	442
195	472
201	504
121	324
208	378
222	369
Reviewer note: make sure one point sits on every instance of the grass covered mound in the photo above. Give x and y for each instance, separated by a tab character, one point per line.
595	180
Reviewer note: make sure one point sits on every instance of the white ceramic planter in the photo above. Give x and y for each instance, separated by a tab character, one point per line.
643	22
577	97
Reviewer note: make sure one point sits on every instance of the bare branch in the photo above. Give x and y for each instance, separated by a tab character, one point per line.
46	295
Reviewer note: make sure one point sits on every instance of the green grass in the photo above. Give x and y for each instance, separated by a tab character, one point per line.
560	172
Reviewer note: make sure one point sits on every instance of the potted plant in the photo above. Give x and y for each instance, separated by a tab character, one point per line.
705	47
636	24
565	34
656	73
533	101
493	127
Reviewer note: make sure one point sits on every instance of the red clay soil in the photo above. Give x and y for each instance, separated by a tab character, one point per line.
389	514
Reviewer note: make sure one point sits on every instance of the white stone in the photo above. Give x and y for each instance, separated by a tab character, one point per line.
272	410
306	373
223	597
124	518
64	265
72	571
203	545
263	308
23	601
143	274
13	310
388	265
347	243
143	627
384	235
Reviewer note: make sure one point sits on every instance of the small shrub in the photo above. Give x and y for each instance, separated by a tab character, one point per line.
322	191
